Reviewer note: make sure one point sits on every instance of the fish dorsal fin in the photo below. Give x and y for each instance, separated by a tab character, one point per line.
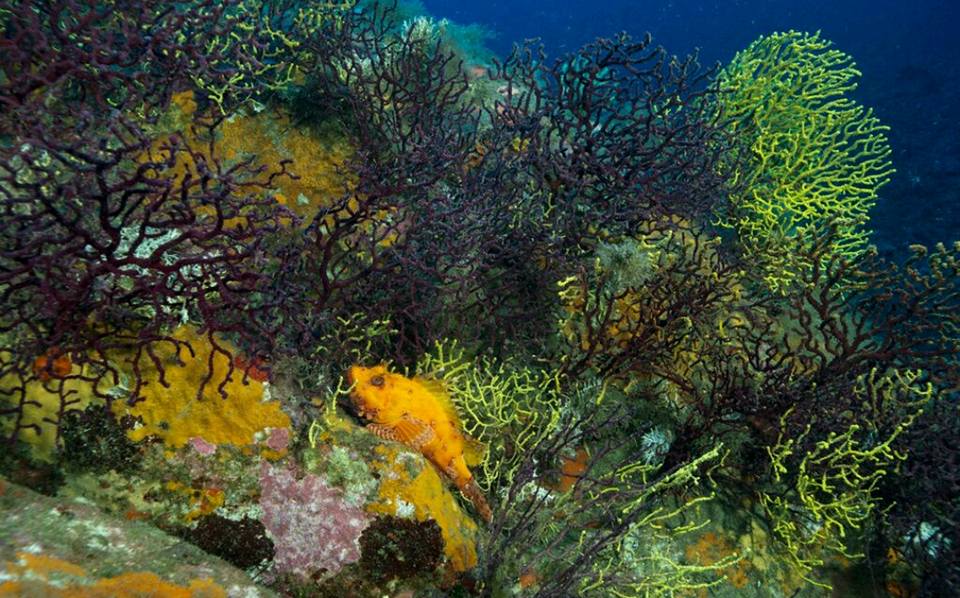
438	390
474	451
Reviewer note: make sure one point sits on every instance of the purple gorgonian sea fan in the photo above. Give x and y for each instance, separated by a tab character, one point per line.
613	135
118	222
475	194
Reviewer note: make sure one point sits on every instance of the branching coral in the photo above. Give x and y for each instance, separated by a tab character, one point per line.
920	523
816	157
201	202
846	378
272	35
826	381
400	101
573	542
649	303
902	322
628	568
918	528
463	216
833	492
831	355
115	228
610	135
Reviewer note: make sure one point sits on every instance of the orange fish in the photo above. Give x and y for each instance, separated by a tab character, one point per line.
417	412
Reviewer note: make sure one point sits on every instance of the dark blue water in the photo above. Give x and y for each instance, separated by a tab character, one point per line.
908	51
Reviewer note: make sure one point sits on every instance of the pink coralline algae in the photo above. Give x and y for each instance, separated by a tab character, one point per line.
202	446
279	439
310	523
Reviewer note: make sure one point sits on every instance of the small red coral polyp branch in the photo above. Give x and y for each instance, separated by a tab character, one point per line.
52	364
255	368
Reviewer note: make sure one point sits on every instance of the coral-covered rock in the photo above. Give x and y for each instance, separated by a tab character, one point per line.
392	480
411	487
41	575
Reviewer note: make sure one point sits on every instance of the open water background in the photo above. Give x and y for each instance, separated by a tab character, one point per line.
908	51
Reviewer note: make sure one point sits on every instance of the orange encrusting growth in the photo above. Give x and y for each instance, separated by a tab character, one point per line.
418	413
571	470
711	549
174	413
45	575
424	490
318	162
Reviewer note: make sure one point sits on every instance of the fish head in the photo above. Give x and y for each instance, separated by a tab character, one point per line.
370	390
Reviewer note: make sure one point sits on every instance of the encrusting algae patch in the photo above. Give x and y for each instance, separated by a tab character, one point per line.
405	485
572	469
43	575
712	548
175	414
203	501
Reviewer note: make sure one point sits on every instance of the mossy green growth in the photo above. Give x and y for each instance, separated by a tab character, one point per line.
815	158
344	469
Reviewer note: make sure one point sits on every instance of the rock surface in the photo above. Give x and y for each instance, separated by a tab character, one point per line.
48	543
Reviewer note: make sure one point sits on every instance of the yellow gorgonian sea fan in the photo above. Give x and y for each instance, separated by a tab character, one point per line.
815	158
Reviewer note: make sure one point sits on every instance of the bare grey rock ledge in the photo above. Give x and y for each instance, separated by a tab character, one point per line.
103	545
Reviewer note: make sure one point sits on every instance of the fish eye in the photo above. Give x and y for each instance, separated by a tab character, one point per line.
377	380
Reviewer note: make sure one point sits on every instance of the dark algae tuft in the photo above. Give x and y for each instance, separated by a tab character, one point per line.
394	548
94	440
243	543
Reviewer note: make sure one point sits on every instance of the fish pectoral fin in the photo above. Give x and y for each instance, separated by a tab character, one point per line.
414	432
384	432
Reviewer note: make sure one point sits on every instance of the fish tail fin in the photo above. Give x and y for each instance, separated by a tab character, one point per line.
472	491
